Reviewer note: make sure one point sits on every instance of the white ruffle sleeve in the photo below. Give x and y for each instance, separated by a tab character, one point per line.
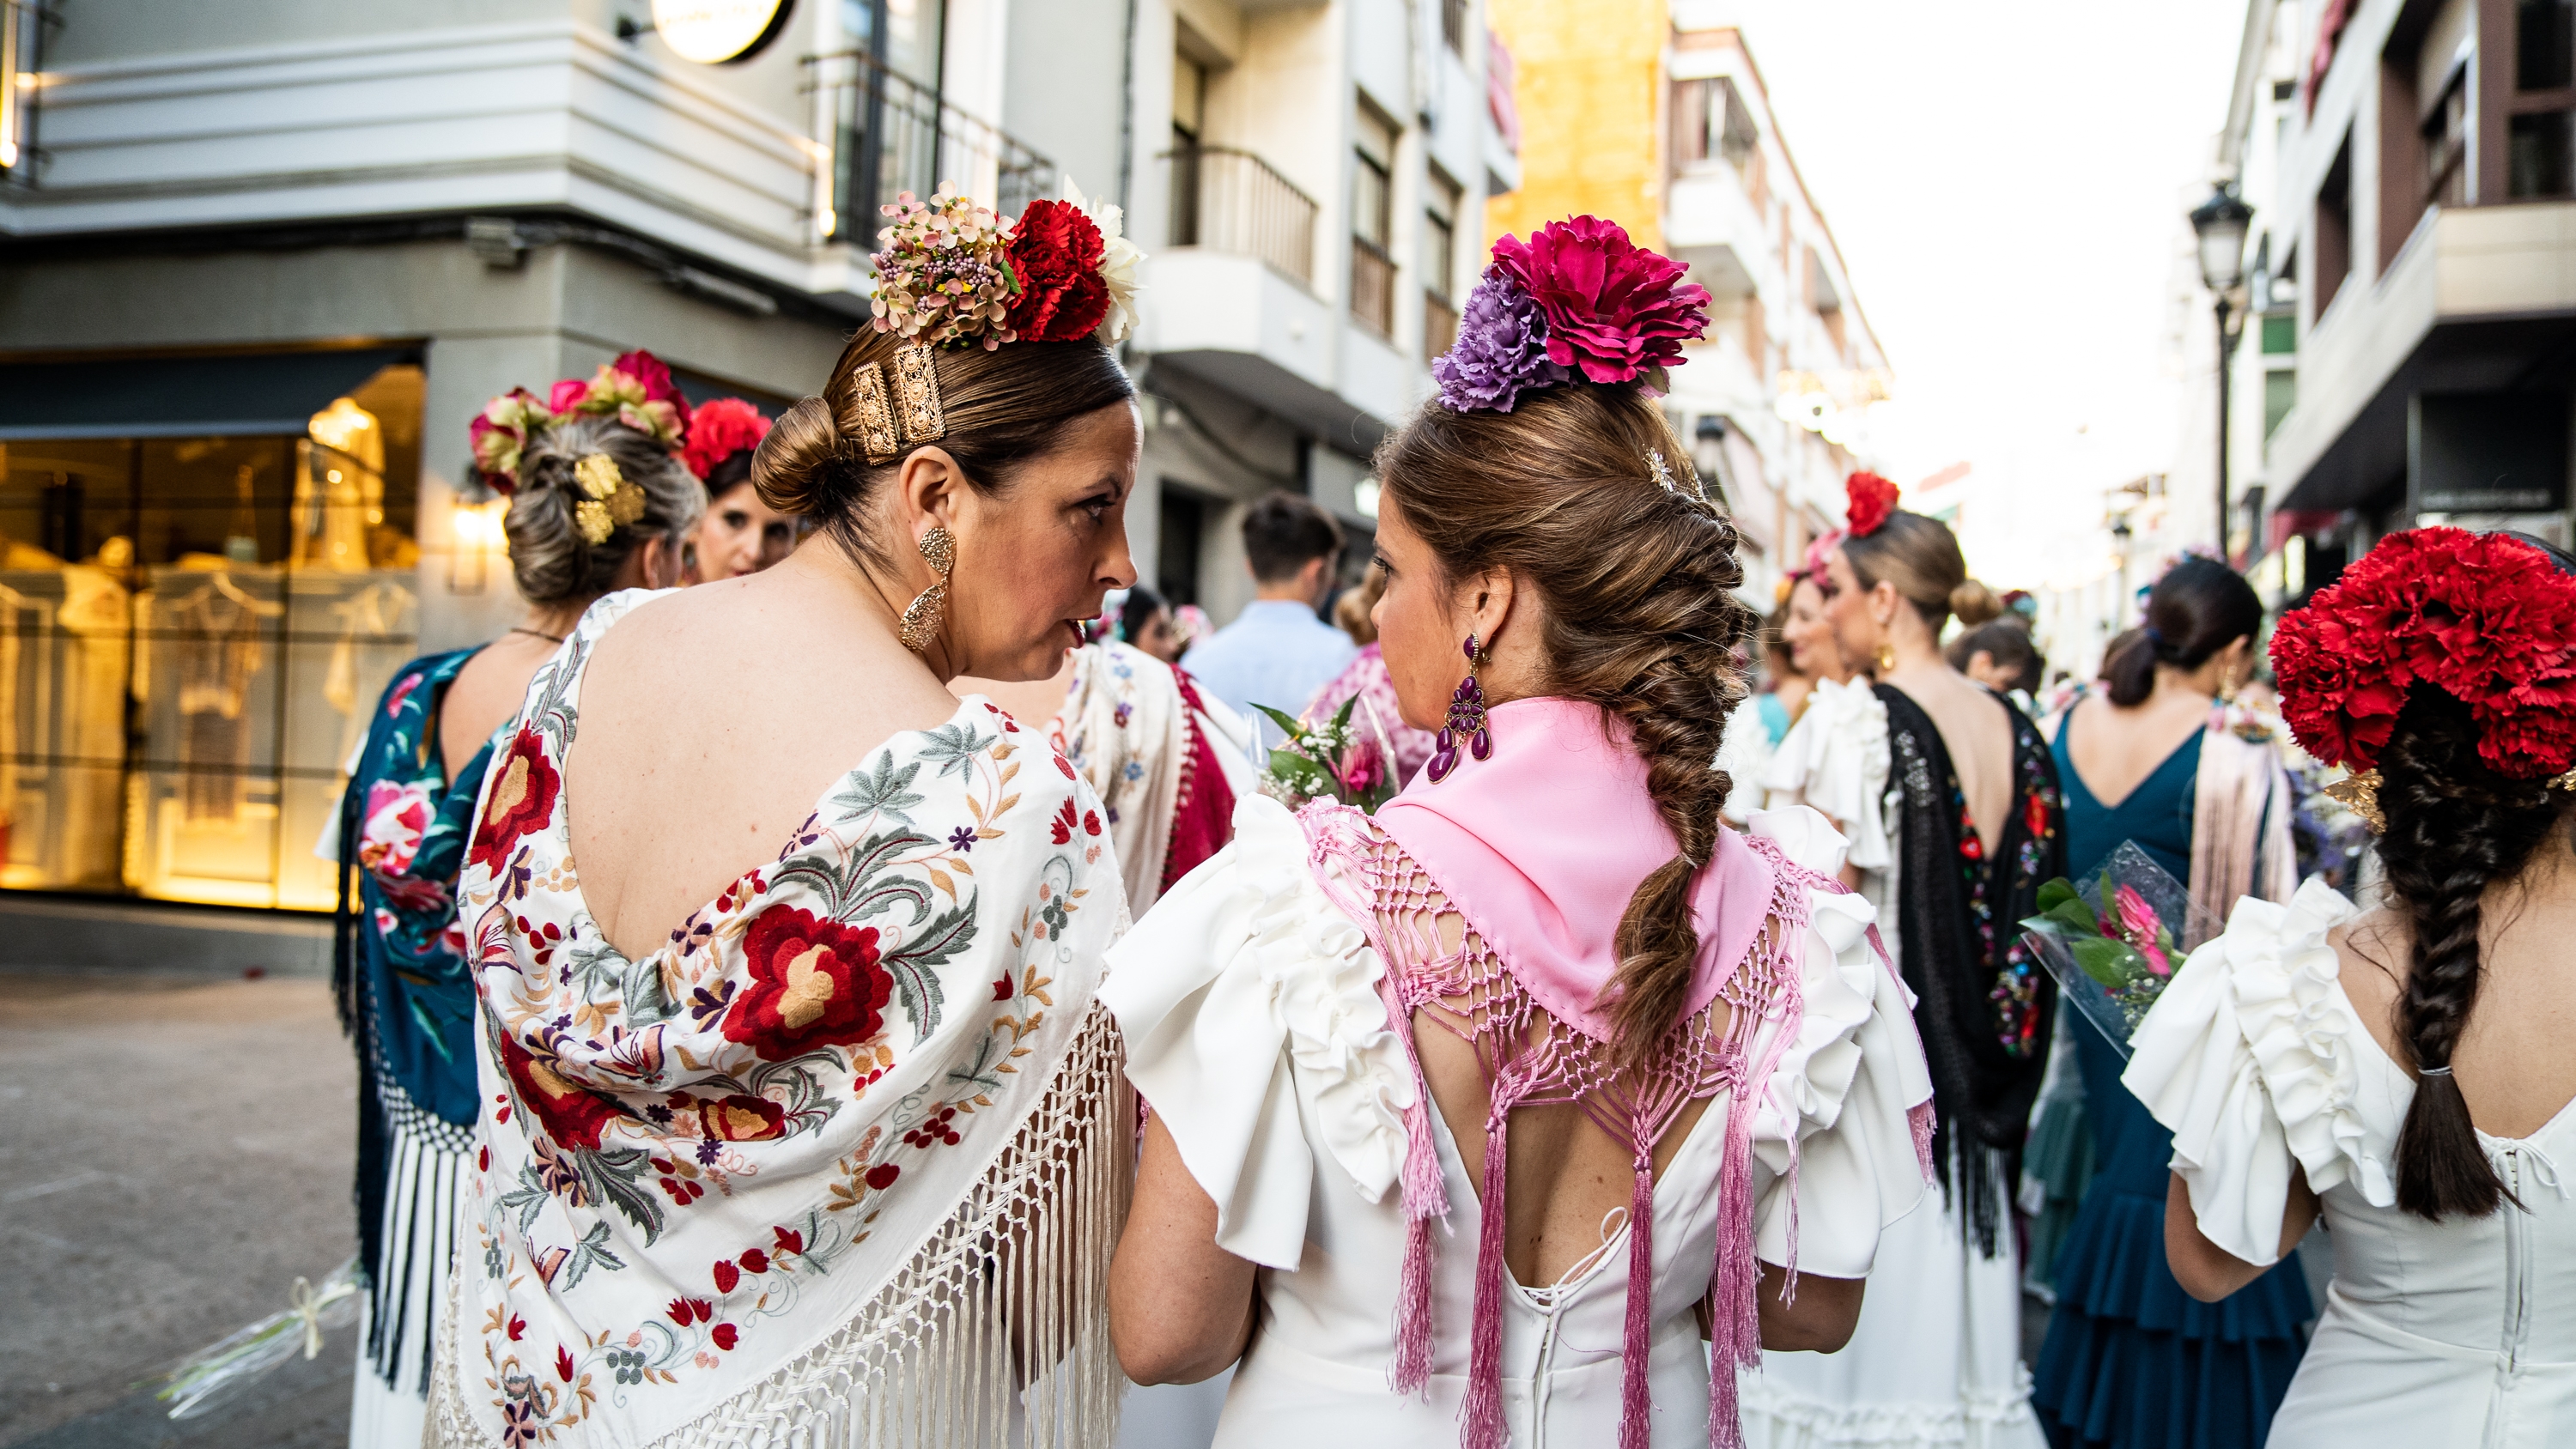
1836	758
1745	755
2253	1056
1840	1095
1250	1009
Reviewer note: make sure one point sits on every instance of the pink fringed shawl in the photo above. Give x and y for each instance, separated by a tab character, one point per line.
1538	850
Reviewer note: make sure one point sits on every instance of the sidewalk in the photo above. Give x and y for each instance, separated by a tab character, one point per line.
173	1152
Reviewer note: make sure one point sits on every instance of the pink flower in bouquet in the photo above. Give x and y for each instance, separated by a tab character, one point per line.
2140	926
1362	767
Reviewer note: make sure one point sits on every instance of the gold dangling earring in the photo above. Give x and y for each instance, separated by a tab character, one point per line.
1885	659
921	617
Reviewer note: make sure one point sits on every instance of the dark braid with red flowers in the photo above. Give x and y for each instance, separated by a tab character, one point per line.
2455	827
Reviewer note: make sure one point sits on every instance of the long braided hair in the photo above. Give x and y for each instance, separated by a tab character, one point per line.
2455	827
1639	583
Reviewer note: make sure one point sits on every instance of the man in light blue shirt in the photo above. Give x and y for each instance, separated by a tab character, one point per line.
1277	652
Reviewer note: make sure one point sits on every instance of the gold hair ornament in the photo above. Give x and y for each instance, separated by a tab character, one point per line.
909	413
2359	793
921	617
609	501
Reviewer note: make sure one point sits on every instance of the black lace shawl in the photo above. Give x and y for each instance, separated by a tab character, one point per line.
1983	1005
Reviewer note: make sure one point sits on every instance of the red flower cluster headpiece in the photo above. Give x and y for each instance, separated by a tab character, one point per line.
950	272
1872	499
721	428
636	389
2483	617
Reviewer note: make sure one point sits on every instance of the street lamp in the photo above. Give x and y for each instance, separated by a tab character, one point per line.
2220	223
2120	535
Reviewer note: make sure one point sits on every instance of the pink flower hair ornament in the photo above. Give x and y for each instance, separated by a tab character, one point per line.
1578	299
636	389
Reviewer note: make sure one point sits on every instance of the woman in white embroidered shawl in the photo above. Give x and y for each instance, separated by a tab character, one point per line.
1489	1099
802	1125
2402	1071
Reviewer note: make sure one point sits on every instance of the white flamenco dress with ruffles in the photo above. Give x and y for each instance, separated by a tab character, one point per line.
2452	1335
1251	1009
1936	1360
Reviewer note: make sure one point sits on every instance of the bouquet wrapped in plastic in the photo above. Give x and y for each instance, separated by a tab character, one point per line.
1330	759
2113	942
213	1375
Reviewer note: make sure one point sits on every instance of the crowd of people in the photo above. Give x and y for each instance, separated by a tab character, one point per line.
937	1024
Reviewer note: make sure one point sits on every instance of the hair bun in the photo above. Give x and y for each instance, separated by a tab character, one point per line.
791	469
1975	604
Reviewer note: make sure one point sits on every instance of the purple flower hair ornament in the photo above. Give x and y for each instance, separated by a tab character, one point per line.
1501	349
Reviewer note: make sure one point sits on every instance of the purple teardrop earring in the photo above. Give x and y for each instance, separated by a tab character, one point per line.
1466	717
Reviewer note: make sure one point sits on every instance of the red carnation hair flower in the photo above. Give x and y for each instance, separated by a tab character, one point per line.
1872	499
2484	617
723	427
1057	253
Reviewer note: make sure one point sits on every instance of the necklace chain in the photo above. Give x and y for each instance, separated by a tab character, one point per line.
537	633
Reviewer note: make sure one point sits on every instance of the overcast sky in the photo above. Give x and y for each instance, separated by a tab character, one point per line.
2006	180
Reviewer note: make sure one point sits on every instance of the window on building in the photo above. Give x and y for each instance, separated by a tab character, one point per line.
1189	115
1181	523
2334	227
1439	263
1372	221
2544	45
197	630
2446	144
2540	129
1453	26
1711	123
2280	390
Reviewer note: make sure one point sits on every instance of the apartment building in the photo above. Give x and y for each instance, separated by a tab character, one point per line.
2412	273
259	264
1653	113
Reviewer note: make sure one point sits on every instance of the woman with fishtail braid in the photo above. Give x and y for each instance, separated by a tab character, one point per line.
2403	1071
1524	1097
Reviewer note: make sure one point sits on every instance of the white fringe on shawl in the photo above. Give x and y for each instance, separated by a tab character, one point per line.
1016	1275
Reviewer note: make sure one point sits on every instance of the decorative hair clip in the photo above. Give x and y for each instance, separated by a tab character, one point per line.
1577	298
2486	618
1664	475
609	501
1873	498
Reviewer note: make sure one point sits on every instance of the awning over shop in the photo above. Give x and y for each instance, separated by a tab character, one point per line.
179	397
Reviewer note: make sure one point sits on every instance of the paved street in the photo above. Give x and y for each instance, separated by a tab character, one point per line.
173	1152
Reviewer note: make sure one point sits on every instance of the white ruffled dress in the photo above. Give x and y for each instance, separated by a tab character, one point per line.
2452	1335
1936	1360
1253	1024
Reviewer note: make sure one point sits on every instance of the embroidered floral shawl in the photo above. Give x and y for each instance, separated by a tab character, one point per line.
1132	725
841	1163
398	961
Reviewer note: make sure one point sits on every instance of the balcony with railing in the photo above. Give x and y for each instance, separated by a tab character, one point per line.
890	134
1233	201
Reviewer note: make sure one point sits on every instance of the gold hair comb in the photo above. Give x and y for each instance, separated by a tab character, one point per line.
610	501
886	428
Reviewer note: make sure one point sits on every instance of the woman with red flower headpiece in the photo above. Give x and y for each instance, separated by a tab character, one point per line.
406	829
739	534
1951	800
2400	1072
799	1119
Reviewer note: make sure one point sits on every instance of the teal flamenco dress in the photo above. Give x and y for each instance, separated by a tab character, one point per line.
407	998
2131	1361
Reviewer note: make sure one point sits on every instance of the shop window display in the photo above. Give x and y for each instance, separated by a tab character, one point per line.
191	630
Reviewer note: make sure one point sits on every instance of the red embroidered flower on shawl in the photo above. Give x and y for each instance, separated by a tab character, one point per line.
523	792
1057	251
1872	499
814	983
2485	618
739	1118
572	1115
